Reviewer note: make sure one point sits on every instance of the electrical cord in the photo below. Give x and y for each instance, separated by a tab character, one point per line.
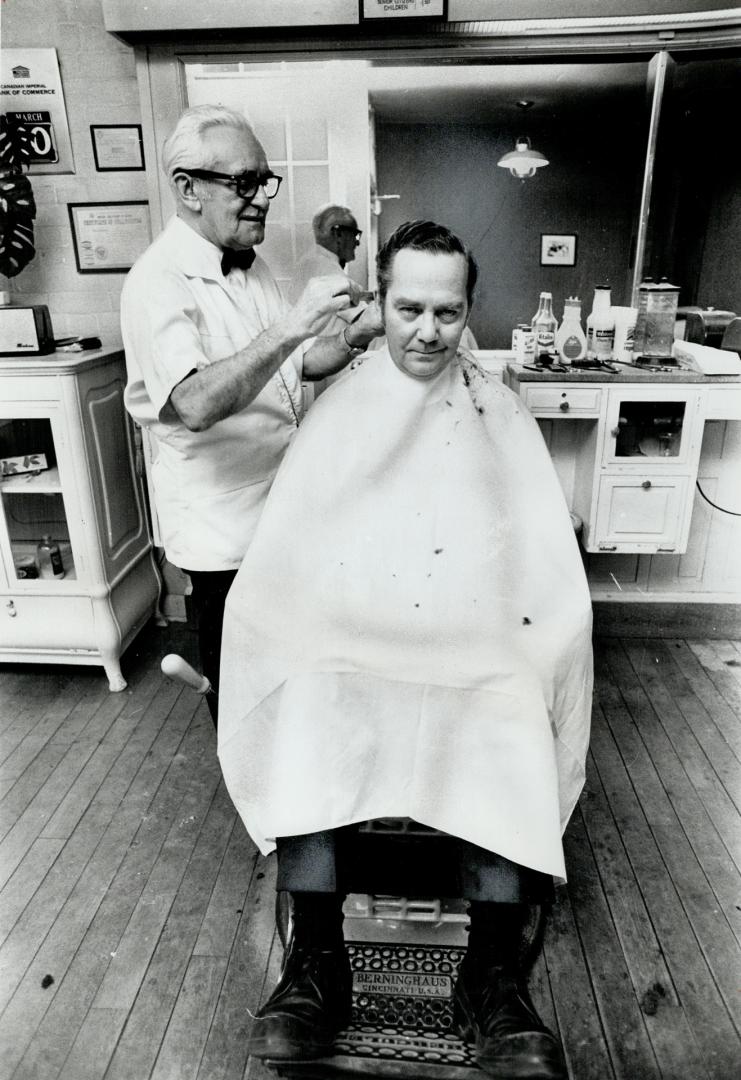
733	513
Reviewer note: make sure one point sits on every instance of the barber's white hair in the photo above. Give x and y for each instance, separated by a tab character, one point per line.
328	215
184	146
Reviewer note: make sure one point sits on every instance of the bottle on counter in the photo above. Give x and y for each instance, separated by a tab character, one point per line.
523	343
49	558
544	325
601	325
571	342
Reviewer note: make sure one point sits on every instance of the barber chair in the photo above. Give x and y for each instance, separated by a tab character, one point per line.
405	944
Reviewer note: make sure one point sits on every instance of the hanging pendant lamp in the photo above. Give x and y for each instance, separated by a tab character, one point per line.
523	161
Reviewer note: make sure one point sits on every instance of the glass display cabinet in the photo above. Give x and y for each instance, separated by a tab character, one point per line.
77	572
651	448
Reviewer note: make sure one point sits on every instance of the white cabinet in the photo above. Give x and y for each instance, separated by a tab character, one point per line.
67	471
634	453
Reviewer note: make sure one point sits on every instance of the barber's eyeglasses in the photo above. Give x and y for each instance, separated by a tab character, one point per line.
357	233
246	184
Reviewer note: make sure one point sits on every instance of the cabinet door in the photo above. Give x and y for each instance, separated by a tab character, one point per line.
640	514
652	426
32	501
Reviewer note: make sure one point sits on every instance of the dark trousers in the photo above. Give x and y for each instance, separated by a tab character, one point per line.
313	863
210	588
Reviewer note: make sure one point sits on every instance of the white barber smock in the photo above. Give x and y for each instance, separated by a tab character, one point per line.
425	650
179	314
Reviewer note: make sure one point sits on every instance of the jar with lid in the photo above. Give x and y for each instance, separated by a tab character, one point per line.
544	325
601	325
657	314
49	558
571	343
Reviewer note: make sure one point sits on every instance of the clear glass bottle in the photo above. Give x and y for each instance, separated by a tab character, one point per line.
49	558
601	325
544	325
571	342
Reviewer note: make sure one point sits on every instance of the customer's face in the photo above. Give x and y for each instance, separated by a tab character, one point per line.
425	310
226	219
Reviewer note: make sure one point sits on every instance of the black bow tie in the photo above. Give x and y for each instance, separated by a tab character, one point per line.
230	258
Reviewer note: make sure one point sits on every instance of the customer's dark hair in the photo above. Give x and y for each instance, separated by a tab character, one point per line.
423	236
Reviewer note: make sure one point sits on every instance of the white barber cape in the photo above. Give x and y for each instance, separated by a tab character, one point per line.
410	632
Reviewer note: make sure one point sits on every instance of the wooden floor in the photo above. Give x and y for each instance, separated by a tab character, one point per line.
136	919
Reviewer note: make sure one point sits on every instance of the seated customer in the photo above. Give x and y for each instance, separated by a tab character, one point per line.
409	636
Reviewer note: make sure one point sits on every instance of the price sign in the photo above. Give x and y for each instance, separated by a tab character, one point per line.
41	135
371	10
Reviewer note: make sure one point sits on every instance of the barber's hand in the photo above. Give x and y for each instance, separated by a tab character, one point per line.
322	298
367	326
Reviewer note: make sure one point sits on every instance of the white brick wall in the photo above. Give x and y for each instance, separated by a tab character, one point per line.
99	82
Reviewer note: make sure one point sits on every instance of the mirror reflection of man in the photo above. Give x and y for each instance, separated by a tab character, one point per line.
216	357
423	652
336	240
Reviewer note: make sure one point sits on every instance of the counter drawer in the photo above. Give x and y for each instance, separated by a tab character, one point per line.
556	399
44	621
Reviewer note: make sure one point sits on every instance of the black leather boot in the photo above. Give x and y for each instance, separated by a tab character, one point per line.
311	1002
493	1012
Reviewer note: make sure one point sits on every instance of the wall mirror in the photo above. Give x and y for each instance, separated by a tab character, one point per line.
432	131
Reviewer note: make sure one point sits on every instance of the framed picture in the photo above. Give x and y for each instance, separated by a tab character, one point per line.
117	147
109	237
558	249
373	10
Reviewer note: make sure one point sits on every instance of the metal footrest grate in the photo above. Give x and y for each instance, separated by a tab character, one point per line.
402	1018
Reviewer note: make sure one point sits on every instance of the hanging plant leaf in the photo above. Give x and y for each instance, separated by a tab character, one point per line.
16	247
17	205
15	145
16	197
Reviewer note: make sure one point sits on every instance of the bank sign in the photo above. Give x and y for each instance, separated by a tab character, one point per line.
31	97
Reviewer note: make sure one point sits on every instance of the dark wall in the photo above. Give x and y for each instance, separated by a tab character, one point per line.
591	188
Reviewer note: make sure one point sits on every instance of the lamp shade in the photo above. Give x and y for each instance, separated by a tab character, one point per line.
522	161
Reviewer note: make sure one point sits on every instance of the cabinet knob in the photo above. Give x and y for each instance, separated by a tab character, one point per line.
646	485
615	432
564	406
12	613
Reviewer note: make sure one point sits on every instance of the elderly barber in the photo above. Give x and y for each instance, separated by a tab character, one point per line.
215	356
423	652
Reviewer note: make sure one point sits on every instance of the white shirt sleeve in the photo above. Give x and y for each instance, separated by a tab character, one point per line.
162	340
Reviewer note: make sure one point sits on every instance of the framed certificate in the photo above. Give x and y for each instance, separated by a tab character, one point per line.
117	147
109	237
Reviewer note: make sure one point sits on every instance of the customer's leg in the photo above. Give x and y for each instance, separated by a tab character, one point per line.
493	1008
311	1002
210	588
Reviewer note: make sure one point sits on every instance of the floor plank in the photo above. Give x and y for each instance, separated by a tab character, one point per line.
671	1036
667	870
140	807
